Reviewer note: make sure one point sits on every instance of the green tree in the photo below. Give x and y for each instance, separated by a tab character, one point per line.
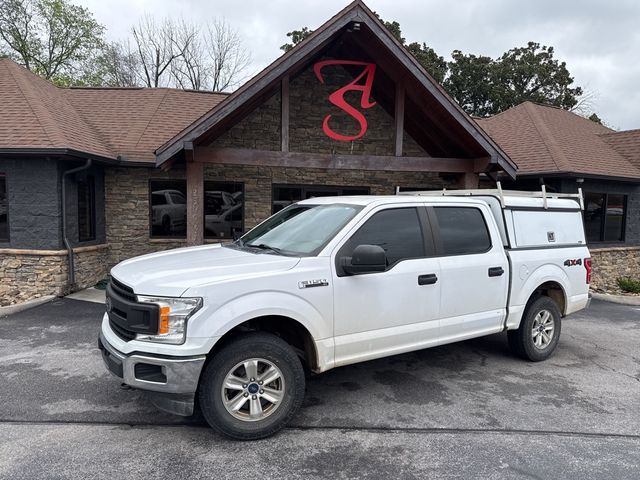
296	37
470	82
52	38
532	73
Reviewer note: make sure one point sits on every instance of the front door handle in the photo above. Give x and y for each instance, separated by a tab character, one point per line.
496	271
428	279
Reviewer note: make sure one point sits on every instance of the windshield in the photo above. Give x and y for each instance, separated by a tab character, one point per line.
300	229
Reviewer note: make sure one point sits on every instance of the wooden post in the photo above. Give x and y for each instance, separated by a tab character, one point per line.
468	181
284	114
399	118
195	200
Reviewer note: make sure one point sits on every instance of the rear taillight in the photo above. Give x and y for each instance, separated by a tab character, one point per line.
587	266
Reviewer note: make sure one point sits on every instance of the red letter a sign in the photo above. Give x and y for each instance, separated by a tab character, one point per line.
337	97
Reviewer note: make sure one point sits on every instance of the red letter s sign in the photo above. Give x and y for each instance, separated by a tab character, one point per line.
337	97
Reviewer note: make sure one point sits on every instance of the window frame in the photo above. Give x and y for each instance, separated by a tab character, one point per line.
306	186
4	176
90	180
425	228
435	227
603	218
204	214
150	209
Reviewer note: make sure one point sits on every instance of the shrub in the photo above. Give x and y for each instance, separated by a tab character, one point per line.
630	285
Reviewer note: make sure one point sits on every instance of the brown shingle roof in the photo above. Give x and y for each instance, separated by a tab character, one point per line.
626	143
105	122
546	140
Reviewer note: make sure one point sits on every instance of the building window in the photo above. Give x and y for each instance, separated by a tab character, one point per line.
168	208
284	195
4	210
605	216
223	209
86	209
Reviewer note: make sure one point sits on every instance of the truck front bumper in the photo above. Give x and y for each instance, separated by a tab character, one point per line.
171	382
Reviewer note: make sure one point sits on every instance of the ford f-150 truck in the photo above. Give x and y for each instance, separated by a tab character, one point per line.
328	282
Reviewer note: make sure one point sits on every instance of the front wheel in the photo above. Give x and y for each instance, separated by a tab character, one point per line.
252	387
539	331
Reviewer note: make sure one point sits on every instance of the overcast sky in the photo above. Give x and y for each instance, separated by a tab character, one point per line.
599	40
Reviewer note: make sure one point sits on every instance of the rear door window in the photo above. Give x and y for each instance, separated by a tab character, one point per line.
462	230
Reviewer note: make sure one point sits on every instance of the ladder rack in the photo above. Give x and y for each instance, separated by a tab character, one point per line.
500	194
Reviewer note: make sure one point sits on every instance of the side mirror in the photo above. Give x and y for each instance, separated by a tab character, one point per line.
365	259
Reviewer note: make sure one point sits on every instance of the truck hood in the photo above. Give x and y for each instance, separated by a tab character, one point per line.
172	272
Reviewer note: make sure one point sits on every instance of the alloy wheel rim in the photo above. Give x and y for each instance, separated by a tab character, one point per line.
543	329
253	389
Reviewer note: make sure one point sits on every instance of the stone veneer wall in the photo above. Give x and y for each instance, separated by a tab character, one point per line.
609	264
127	197
29	274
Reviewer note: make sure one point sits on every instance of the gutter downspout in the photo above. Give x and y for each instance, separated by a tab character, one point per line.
71	272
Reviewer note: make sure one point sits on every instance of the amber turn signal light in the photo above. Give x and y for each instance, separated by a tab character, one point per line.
163	324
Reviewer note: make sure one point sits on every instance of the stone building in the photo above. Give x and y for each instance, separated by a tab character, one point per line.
92	176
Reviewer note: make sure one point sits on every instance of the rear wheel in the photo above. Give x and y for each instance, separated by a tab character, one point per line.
539	331
252	387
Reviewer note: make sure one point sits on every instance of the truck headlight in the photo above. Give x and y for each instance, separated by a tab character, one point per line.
172	324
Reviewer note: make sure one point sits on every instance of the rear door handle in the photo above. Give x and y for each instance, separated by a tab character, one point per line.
496	271
428	279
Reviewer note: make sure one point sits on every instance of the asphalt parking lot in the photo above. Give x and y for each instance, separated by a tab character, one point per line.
468	410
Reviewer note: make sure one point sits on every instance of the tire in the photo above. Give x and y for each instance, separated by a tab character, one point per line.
539	344
257	410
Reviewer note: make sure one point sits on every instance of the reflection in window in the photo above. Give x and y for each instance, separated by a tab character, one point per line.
168	208
604	217
284	195
4	210
223	209
86	209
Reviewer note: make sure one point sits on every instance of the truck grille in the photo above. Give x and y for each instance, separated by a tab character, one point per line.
127	316
123	333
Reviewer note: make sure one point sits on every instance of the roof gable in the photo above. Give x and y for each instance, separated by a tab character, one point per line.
549	140
461	127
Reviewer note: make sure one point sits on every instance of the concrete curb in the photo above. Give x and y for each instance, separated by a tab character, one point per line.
621	299
19	307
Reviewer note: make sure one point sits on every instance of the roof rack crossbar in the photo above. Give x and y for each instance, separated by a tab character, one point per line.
501	194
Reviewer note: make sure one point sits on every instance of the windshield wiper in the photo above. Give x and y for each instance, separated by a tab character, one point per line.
263	246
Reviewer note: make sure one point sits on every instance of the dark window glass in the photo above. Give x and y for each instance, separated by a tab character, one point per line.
4	210
284	195
223	209
168	208
462	230
396	230
604	217
593	217
86	209
614	219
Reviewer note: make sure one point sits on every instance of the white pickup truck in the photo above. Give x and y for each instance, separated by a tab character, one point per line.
328	282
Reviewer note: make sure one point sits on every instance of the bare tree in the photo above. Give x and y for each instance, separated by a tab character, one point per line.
213	56
158	47
190	70
227	55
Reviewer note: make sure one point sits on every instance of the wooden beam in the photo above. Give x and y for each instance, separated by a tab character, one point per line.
468	180
195	200
399	117
284	114
238	156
